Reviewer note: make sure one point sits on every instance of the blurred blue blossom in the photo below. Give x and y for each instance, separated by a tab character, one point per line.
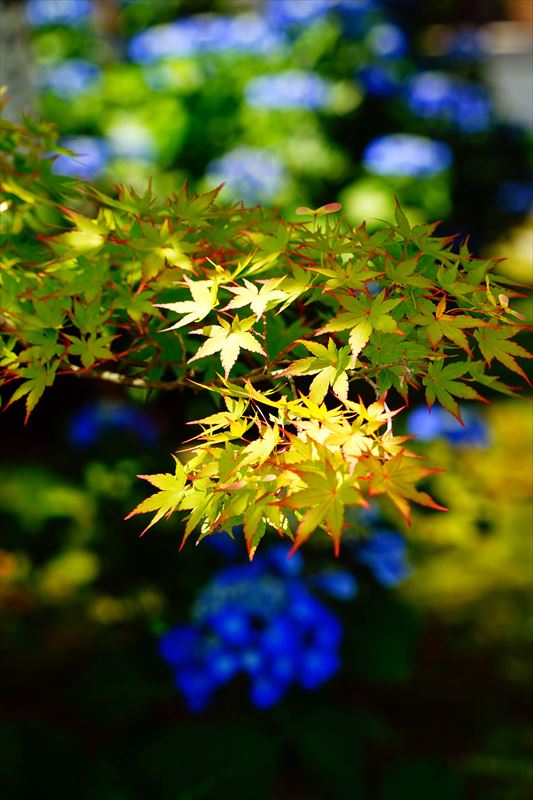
384	553
92	422
403	154
57	12
285	13
380	80
290	89
515	197
387	41
259	620
438	423
337	583
442	96
89	161
203	33
252	174
465	44
296	12
70	78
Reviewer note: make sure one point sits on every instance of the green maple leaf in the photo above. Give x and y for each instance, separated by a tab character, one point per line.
328	490
494	343
452	328
37	379
167	499
441	384
90	349
396	477
204	299
329	366
440	325
228	340
259	299
364	314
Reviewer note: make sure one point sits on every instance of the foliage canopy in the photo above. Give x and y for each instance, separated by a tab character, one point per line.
284	321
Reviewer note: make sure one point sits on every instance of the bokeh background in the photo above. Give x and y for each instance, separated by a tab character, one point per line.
399	670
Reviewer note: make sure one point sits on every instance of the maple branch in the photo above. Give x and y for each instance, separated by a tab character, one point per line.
167	386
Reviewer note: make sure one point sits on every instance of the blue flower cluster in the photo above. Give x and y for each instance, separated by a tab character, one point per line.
384	553
245	33
259	620
387	41
465	44
286	13
70	78
89	161
403	154
436	95
92	422
263	621
290	89
380	79
515	197
438	423
57	12
251	174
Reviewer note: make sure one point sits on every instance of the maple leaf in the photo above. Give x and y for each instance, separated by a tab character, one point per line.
228	340
438	325
37	379
167	499
494	343
329	208
441	384
363	315
204	294
259	299
328	364
328	490
397	478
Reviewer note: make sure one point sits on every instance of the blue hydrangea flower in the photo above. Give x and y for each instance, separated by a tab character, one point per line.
441	96
178	644
430	94
70	78
259	620
290	89
403	154
380	80
387	41
287	13
89	161
465	44
515	197
472	109
92	422
296	12
438	423
57	12
203	33
385	556
337	583
251	174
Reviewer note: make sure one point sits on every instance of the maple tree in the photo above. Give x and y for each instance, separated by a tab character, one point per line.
301	315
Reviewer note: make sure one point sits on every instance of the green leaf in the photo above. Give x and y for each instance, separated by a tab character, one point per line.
259	299
228	341
494	343
167	499
204	299
441	384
